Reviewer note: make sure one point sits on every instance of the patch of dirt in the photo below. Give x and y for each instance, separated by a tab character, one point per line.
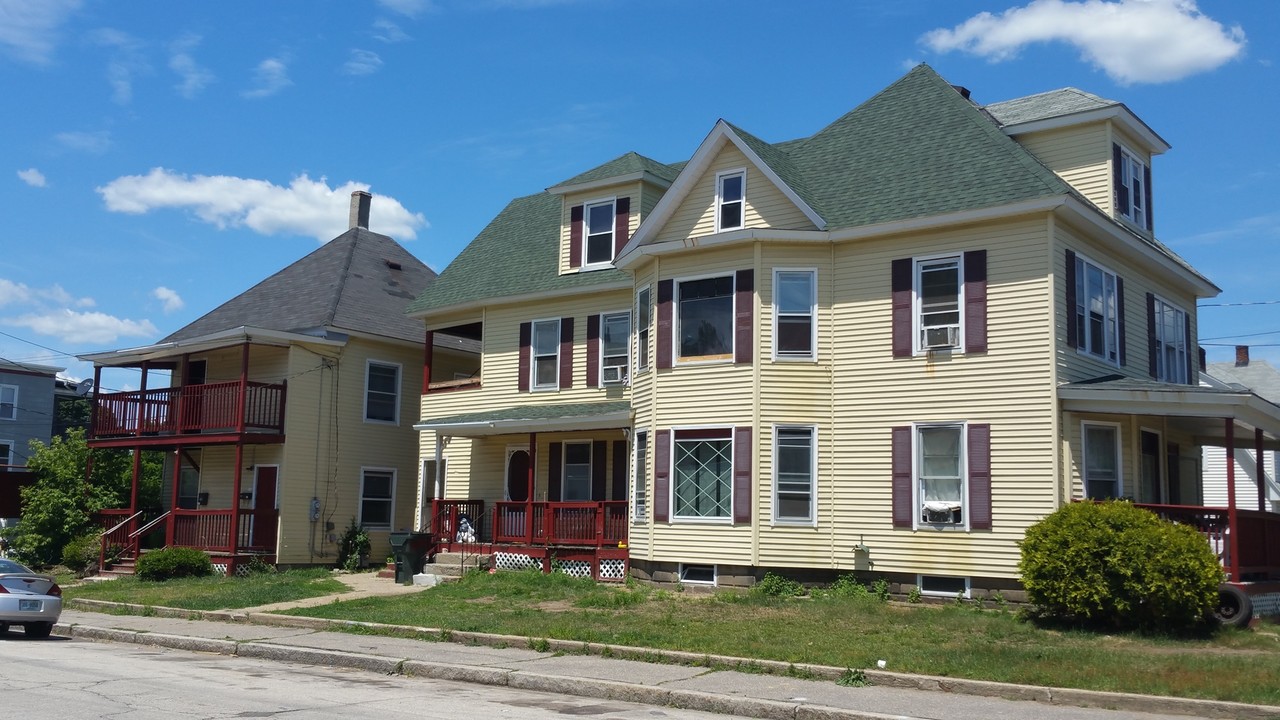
555	606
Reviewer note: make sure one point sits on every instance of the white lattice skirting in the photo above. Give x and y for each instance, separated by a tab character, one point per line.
514	561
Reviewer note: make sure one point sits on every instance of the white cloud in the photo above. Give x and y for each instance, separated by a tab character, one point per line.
388	32
126	62
29	30
362	62
21	293
305	207
270	77
90	142
408	8
82	327
171	300
1132	41
194	76
32	177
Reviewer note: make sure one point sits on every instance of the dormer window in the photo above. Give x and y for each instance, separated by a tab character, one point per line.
599	219
731	188
1133	188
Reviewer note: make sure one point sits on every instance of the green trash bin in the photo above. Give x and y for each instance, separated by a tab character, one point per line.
410	552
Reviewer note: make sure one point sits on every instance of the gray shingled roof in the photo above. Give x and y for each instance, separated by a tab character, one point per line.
1258	376
535	412
349	283
627	164
1041	106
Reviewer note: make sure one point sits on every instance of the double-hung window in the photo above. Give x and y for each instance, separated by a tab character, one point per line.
1101	460
599	226
702	464
940	474
1171	343
1097	311
794	460
731	191
545	357
644	318
1132	190
8	402
794	313
377	497
639	498
615	335
577	471
706	318
938	301
382	392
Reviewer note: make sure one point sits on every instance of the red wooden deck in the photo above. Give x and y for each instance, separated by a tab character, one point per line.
202	411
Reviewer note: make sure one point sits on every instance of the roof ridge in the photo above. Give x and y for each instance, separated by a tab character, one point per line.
342	277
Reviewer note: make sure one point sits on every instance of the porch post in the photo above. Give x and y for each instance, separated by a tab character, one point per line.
133	488
142	400
426	361
528	498
235	507
171	526
244	389
93	402
1233	534
1262	469
182	391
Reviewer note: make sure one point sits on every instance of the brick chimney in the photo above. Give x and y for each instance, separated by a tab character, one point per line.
360	209
1242	356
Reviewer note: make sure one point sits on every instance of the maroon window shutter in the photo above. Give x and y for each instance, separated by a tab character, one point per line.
975	301
621	224
1152	353
555	468
744	316
666	291
979	452
599	471
1120	320
1070	292
566	353
901	279
662	476
575	236
1146	184
1191	372
742	455
1117	172
593	351
620	465
526	339
902	515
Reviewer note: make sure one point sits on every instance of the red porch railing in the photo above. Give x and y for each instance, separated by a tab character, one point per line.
210	530
1259	536
445	515
593	524
189	409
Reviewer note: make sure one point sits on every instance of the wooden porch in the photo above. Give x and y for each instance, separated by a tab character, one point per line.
190	415
210	531
1246	541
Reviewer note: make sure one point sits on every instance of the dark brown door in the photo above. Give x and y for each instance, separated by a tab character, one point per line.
265	515
518	476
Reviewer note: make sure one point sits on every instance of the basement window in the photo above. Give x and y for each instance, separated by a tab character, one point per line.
943	586
698	574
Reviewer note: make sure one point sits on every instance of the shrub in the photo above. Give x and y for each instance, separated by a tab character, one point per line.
778	586
848	586
352	547
258	566
173	562
1115	564
81	553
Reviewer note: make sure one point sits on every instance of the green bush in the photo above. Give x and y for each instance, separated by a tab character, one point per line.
173	562
778	586
848	585
81	553
1115	564
353	546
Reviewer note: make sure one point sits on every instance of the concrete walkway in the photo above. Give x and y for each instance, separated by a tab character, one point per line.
663	678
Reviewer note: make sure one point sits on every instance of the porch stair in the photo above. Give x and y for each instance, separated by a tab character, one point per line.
452	564
122	567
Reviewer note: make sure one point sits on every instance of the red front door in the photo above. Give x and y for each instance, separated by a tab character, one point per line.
265	515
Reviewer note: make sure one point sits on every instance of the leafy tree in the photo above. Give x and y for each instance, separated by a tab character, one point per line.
60	504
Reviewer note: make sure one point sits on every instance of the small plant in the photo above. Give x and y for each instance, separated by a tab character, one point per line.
848	586
998	598
915	596
258	566
173	562
81	554
778	586
880	588
539	645
852	678
353	547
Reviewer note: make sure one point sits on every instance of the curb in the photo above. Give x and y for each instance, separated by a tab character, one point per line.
605	689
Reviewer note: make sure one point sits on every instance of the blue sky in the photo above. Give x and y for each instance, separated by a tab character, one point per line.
160	156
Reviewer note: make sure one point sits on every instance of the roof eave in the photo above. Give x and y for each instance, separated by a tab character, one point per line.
1118	112
641	176
602	421
541	295
223	338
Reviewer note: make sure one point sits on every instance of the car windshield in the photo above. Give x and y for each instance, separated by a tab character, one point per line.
9	566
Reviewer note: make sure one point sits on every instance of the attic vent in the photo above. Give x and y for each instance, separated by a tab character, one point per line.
393	264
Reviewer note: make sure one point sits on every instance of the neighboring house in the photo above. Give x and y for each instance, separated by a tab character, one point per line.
889	347
286	412
26	414
1261	378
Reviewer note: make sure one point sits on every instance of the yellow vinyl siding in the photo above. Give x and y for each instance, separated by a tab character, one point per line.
765	207
632	190
267	364
1080	155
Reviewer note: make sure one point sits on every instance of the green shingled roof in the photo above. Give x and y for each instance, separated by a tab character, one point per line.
627	164
536	412
1042	106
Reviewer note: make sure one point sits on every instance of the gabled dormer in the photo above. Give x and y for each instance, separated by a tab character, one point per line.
1097	145
602	207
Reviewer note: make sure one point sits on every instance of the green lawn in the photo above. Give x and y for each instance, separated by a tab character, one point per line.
214	593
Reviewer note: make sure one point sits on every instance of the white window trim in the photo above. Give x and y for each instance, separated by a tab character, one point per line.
917	347
715	574
1082	276
506	470
813	478
612	200
625	378
8	445
968	586
1161	371
813	315
533	356
1084	460
368	364
391	511
636	331
671	475
720	176
676	323
964	476
640	476
14	388
1134	216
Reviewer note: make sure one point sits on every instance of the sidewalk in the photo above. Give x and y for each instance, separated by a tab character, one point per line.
668	679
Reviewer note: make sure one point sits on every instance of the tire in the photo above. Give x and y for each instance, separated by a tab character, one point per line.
38	630
1235	607
4	628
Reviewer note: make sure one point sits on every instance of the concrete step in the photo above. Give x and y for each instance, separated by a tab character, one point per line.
452	564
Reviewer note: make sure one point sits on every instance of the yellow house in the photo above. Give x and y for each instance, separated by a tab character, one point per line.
885	348
285	413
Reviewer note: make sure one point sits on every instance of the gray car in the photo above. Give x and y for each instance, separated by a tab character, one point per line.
29	599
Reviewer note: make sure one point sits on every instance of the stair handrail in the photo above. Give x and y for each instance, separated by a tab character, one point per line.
102	539
119	525
143	530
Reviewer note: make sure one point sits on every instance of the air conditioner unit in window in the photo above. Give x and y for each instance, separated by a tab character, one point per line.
613	374
941	337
